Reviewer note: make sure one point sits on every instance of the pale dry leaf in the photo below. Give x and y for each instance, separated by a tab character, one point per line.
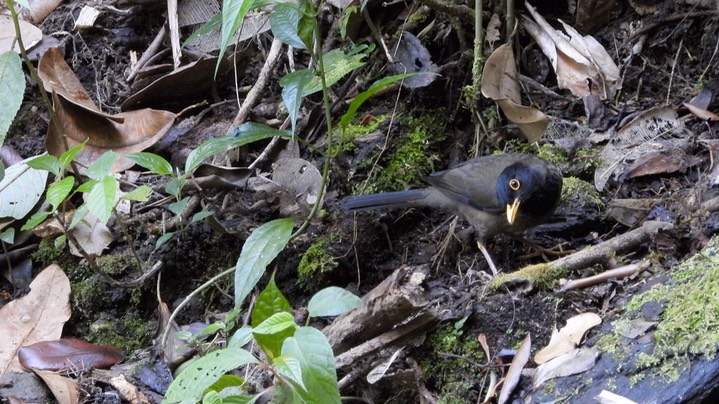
92	235
515	370
64	389
492	34
567	339
31	35
607	397
39	9
570	363
702	113
37	316
20	189
581	64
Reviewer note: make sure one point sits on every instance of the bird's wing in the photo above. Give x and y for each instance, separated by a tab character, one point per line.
474	181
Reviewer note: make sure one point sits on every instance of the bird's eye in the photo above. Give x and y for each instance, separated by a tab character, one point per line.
514	184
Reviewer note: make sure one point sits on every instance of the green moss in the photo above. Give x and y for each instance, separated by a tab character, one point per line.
542	276
127	334
47	254
317	259
574	188
451	361
689	321
408	158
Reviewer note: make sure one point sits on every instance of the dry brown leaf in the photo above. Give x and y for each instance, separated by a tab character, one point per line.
68	355
92	235
127	132
582	64
37	316
500	83
63	388
56	76
567	339
702	113
515	370
492	34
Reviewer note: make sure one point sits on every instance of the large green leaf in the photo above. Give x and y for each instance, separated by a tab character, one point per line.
244	134
293	92
151	161
311	348
275	323
233	13
332	301
284	22
58	191
365	95
204	372
46	162
102	166
260	248
270	301
20	189
12	88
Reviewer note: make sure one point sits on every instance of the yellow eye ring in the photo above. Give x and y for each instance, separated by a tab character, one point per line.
514	184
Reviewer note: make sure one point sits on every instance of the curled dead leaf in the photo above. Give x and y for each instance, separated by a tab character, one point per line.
66	354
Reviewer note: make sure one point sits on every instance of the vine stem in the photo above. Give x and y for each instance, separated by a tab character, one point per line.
317	51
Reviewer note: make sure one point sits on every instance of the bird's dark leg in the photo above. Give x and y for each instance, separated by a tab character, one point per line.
487	257
541	251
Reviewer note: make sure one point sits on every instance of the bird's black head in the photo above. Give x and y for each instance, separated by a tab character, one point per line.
531	185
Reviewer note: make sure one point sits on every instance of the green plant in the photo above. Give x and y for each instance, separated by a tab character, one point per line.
299	358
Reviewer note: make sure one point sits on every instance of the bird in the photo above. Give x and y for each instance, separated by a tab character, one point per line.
497	194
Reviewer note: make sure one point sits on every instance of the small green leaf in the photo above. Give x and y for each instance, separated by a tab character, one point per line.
332	301
69	155
151	161
8	236
140	194
226	381
164	239
204	372
365	95
241	337
260	248
200	216
174	186
179	206
275	323
101	199
60	241
284	22
46	162
12	88
79	215
35	220
317	362
212	397
346	14
209	330
293	87
270	301
86	186
101	167
58	191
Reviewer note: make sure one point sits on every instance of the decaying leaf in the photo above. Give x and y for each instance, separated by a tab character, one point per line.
410	56
500	83
651	131
492	34
92	235
570	363
299	184
667	161
127	132
630	211
68	354
31	35
82	120
37	316
702	113
581	63
63	388
567	339
515	370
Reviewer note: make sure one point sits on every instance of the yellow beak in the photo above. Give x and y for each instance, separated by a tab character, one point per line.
512	211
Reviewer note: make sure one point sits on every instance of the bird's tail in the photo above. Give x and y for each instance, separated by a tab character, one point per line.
388	200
